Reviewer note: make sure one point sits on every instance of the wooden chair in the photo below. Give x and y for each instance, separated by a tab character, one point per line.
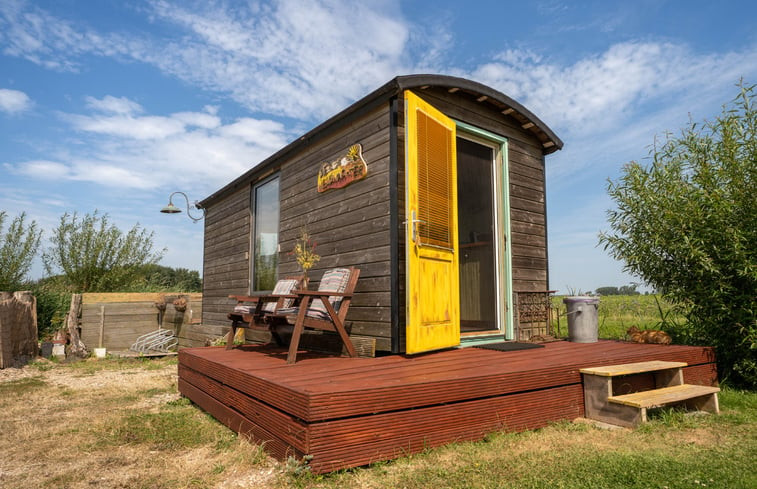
258	311
324	309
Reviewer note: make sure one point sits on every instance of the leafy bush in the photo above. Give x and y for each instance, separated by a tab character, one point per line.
687	225
53	302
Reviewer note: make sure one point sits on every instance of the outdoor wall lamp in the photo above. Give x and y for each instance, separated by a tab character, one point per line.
172	209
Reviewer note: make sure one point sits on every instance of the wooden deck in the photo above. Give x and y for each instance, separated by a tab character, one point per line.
346	412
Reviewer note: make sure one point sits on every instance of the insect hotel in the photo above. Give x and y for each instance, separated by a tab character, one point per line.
424	202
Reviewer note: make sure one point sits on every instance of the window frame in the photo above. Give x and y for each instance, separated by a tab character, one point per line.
253	227
503	259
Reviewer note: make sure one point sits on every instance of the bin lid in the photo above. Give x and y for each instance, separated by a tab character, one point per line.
586	299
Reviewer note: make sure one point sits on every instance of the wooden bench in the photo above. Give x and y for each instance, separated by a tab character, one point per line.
630	410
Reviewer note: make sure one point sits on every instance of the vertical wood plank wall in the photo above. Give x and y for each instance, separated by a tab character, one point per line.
226	262
349	225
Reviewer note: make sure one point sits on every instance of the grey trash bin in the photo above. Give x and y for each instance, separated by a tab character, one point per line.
583	320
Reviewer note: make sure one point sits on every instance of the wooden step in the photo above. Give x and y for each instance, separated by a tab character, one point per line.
632	368
631	409
664	396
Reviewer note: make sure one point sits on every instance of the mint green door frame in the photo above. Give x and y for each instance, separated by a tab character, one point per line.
502	219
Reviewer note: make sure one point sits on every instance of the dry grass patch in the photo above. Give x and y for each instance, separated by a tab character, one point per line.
115	424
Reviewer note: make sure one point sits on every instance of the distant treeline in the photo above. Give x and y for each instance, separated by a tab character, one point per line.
623	290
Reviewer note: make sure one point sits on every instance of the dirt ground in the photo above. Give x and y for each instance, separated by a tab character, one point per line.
116	424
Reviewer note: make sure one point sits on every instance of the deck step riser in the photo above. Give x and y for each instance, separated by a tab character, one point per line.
631	409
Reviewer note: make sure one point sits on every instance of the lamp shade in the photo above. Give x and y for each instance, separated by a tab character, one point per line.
170	209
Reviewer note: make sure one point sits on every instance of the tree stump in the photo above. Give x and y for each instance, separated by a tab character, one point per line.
76	345
18	328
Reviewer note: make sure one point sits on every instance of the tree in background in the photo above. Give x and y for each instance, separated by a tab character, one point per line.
687	225
18	247
623	290
160	278
93	255
607	291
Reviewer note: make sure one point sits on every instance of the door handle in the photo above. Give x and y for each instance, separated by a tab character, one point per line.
414	228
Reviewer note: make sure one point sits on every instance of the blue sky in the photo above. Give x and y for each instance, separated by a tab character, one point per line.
112	105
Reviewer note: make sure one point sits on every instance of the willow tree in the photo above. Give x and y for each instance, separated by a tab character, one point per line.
93	255
18	247
686	223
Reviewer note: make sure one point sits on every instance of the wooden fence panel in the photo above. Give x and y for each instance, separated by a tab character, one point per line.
114	321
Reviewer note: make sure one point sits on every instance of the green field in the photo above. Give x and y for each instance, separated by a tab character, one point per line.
617	313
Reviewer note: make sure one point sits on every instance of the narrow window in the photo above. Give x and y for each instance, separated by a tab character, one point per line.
265	231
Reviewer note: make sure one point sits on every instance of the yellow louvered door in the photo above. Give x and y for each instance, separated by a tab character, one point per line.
433	303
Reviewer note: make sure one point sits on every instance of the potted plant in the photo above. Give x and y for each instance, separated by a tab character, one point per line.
180	304
304	252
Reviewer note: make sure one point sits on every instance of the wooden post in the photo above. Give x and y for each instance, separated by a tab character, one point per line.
77	347
102	326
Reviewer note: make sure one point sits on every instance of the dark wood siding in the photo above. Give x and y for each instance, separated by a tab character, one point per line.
349	225
526	172
352	225
226	263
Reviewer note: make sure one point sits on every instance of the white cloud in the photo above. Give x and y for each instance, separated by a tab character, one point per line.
143	128
13	101
31	33
252	130
41	169
605	90
114	176
304	59
198	119
114	105
608	107
186	149
294	58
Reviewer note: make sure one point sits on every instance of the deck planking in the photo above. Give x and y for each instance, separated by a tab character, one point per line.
345	412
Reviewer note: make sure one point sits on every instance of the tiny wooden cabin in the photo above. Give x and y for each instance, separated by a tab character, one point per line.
446	221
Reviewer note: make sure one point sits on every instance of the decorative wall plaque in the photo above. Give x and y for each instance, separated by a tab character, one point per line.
343	171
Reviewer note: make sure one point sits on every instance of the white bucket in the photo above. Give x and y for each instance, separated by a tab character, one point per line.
59	350
100	352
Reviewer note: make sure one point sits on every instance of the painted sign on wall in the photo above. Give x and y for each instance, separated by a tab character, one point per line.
343	171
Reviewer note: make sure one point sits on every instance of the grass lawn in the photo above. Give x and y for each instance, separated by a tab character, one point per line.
121	424
617	313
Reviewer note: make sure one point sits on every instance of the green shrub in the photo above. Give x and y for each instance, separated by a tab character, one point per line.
687	225
52	305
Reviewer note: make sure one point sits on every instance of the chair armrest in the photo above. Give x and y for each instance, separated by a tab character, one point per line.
322	293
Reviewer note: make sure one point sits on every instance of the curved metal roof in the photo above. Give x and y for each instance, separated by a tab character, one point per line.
476	91
486	95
